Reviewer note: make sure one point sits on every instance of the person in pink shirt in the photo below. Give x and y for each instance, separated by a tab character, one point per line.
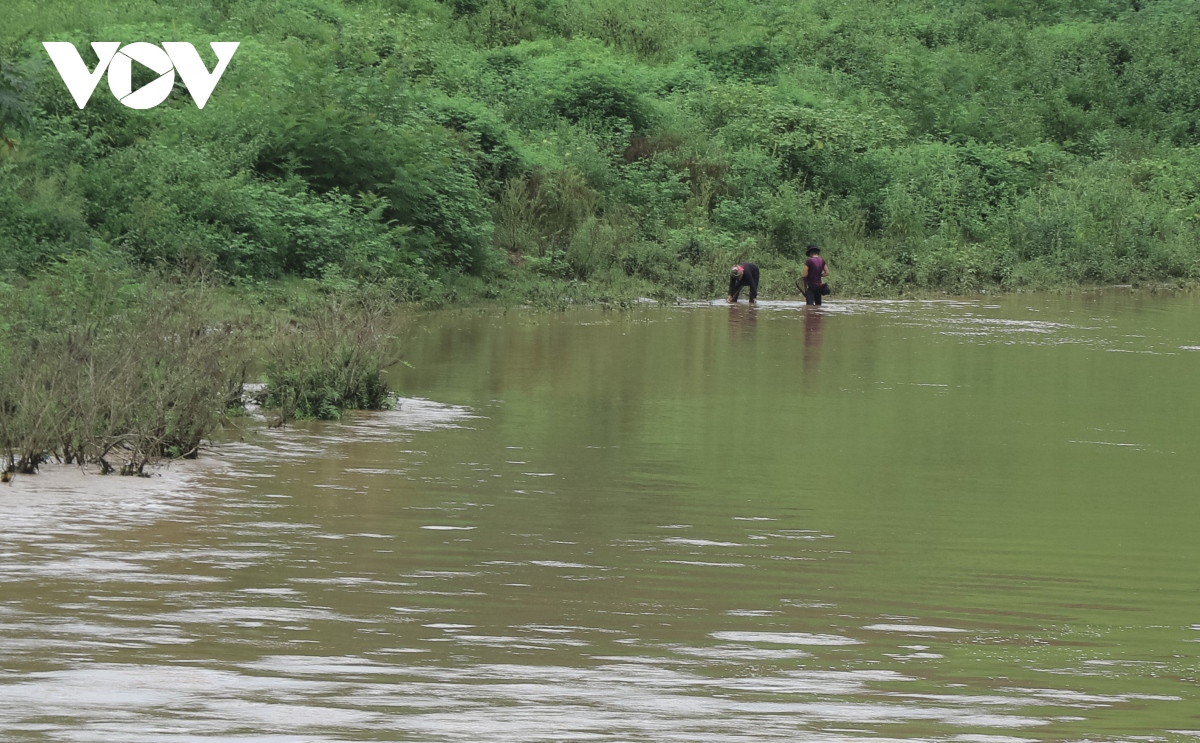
812	276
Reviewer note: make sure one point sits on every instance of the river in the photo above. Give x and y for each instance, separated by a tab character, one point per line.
964	520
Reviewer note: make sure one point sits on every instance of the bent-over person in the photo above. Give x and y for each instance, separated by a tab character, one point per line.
743	275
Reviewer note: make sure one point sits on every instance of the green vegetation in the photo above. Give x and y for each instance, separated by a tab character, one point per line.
487	148
100	368
331	356
107	365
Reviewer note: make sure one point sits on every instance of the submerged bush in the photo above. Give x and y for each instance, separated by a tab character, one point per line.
331	358
96	370
101	366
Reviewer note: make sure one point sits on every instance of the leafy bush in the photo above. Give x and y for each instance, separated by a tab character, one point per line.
331	358
600	97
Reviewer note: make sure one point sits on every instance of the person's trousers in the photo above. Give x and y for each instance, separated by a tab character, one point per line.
812	295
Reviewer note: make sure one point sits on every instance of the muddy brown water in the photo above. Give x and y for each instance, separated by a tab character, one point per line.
951	521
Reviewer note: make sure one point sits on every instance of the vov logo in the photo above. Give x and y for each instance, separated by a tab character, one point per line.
166	60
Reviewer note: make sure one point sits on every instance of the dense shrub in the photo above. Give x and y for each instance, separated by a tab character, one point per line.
96	368
103	365
331	357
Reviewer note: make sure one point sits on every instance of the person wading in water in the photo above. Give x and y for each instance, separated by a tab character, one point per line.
743	274
812	276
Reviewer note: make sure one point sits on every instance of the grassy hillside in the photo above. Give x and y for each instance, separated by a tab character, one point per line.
474	146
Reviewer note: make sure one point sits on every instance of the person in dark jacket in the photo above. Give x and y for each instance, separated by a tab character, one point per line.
812	276
742	275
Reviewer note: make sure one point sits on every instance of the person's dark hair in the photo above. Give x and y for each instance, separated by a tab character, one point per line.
812	249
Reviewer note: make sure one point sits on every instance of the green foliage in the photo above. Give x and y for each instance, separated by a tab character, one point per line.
14	111
457	146
98	367
322	387
331	357
599	97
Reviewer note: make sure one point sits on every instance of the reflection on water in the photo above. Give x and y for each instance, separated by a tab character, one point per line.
743	321
812	338
610	527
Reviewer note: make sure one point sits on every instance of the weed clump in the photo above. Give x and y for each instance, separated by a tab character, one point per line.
97	370
330	358
99	366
